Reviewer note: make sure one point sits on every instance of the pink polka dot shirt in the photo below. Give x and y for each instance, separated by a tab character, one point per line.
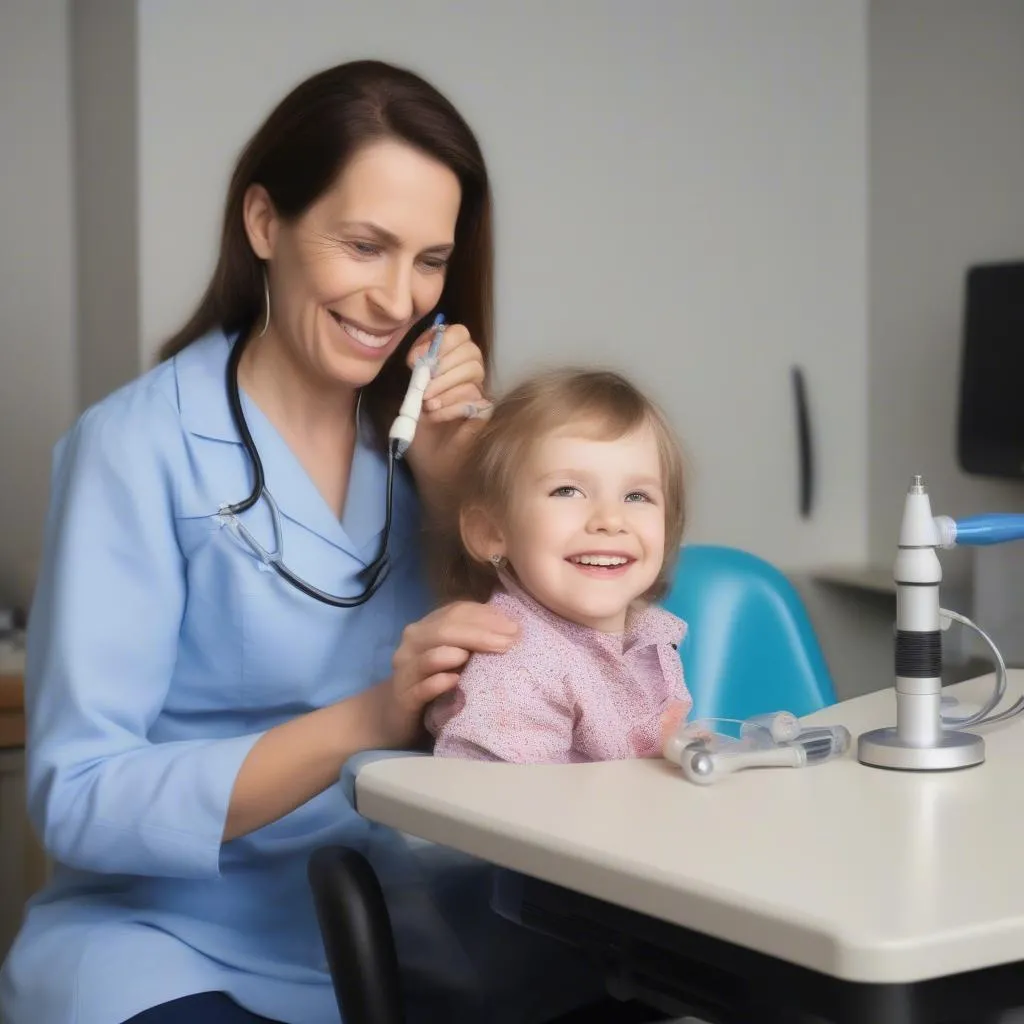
566	693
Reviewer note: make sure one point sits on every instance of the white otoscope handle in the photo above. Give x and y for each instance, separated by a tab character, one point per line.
704	768
404	427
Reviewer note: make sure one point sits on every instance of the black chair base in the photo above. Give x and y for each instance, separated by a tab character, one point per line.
360	947
357	936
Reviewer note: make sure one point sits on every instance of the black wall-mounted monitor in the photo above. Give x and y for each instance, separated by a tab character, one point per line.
990	428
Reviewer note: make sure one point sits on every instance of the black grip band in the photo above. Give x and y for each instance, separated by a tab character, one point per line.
919	655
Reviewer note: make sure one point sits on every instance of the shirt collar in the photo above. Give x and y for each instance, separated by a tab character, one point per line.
200	370
646	624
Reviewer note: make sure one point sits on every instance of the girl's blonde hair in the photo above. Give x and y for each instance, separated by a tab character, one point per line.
603	401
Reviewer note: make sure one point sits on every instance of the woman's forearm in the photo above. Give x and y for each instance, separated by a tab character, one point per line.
296	761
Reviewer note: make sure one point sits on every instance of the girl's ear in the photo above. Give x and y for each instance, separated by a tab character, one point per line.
481	535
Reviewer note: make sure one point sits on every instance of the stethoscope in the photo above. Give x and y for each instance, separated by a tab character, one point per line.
399	438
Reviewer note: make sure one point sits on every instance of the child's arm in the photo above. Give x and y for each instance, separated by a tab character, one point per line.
672	718
679	705
500	712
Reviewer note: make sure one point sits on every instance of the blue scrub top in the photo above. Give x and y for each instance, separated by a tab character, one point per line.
160	648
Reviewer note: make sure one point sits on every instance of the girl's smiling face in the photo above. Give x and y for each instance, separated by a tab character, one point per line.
585	528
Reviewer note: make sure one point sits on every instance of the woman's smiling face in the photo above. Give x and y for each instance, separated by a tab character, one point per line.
363	264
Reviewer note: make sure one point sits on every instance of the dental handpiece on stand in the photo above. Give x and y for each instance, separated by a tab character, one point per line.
404	428
925	739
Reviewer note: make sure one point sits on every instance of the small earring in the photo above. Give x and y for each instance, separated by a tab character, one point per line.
266	303
498	560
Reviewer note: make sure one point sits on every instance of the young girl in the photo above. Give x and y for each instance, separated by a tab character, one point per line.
570	521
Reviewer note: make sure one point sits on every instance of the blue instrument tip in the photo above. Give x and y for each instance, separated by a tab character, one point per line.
435	343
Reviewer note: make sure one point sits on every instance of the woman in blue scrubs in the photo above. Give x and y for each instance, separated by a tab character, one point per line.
189	710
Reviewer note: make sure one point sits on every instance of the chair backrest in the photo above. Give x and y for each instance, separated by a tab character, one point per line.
750	647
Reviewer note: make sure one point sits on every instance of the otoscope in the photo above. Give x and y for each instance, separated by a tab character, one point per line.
404	428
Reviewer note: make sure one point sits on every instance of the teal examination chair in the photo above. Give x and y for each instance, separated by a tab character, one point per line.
749	649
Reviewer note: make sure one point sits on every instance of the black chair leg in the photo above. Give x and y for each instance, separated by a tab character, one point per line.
357	936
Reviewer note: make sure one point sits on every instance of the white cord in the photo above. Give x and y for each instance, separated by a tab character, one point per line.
998	692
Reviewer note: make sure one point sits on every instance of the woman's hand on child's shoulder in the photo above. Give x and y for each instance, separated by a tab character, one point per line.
431	655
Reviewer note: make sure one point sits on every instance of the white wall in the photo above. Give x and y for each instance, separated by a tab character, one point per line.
742	121
37	365
105	114
947	190
681	192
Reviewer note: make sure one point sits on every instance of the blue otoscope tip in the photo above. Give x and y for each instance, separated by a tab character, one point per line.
435	342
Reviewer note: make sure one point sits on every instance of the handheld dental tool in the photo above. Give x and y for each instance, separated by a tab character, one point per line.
718	733
702	763
404	428
924	739
759	732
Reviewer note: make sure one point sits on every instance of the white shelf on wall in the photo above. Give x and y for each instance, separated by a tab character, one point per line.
873	578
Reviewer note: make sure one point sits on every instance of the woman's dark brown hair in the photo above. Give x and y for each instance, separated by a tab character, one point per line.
300	151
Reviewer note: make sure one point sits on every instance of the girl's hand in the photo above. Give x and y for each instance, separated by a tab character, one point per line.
673	718
428	661
454	407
